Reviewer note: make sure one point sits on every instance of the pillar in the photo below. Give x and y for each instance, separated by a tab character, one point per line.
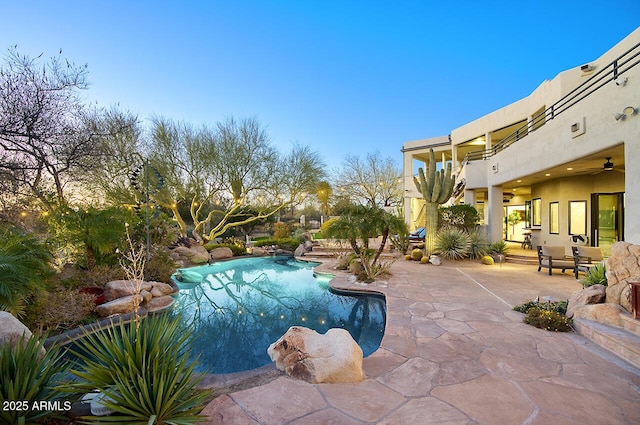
495	213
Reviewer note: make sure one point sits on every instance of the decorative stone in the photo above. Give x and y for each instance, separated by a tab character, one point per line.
160	289
435	260
122	288
622	267
122	305
594	294
606	313
299	252
304	354
12	331
195	254
221	253
159	303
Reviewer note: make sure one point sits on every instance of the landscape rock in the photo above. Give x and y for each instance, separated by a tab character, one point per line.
122	288
122	305
299	252
435	260
623	266
221	253
594	294
195	254
12	331
159	289
159	303
304	354
606	313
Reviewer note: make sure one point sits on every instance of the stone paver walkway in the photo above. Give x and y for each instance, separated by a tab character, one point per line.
455	353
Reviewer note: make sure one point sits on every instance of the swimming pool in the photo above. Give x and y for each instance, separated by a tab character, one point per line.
243	305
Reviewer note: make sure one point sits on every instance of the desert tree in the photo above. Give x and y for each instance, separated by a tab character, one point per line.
49	135
219	171
372	180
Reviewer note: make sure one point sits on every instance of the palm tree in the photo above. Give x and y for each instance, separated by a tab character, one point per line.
24	262
359	223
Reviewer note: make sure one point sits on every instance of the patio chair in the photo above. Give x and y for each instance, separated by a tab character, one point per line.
585	257
553	257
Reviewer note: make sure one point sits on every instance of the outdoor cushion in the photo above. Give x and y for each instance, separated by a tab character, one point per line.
559	264
556	252
592	252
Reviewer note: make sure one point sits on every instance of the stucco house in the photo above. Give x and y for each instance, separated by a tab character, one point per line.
561	166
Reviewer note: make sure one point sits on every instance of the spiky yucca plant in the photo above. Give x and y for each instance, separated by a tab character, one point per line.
452	243
144	370
479	244
28	377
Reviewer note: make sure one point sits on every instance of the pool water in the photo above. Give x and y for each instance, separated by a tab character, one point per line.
244	305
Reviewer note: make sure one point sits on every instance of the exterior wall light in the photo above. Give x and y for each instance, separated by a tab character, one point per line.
626	112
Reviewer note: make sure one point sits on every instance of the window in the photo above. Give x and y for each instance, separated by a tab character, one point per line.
536	212
577	217
554	219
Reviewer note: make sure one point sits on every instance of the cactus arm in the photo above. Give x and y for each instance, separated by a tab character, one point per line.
447	187
431	172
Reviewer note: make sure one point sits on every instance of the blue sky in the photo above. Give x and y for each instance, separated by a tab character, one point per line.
340	76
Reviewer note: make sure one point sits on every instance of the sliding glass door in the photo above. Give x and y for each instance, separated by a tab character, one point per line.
607	220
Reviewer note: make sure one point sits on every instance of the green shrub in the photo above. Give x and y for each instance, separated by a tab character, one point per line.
325	227
345	260
57	310
597	275
547	319
479	244
500	248
24	260
461	216
236	249
288	244
145	371
28	377
281	231
557	306
452	243
160	267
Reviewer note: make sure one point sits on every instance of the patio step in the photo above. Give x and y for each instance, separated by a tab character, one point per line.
621	342
522	259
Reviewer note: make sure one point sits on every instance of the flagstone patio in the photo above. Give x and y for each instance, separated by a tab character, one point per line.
455	353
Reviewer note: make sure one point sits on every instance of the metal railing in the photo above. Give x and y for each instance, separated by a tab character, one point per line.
609	73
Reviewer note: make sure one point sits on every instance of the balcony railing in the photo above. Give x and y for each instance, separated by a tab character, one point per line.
609	73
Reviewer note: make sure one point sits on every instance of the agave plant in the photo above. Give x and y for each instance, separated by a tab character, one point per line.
479	244
597	275
144	371
29	377
452	243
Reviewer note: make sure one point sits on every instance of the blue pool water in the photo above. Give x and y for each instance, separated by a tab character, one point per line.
244	305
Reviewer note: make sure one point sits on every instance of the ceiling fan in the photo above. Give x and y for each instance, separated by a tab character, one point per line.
607	166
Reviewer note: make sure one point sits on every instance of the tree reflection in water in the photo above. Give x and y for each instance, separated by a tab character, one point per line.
244	305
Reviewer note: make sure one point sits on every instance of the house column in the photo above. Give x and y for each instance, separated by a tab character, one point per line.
470	197
409	186
495	213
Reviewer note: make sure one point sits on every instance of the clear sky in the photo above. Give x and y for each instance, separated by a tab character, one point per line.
341	76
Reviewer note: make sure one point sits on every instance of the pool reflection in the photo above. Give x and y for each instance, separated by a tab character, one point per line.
243	305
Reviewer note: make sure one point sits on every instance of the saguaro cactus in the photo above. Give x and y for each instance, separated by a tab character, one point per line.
436	188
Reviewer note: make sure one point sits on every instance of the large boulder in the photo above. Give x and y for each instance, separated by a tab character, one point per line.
594	294
316	358
194	254
221	253
159	289
12	331
606	313
159	303
122	288
122	305
622	267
